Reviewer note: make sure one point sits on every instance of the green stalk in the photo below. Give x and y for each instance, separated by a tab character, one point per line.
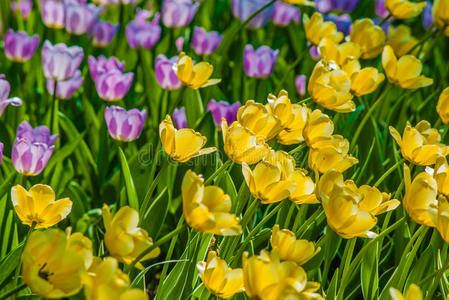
13	292
291	68
388	172
54	104
384	20
220	170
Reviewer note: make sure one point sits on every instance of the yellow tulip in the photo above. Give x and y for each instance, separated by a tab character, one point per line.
403	9
330	51
420	196
441	15
370	37
182	144
401	39
332	154
54	262
351	210
304	191
194	76
289	248
105	280
265	182
318	129
316	29
440	174
218	278
443	106
267	278
293	118
38	206
413	293
420	145
363	81
300	2
405	71
241	145
259	120
330	87
123	238
207	209
440	217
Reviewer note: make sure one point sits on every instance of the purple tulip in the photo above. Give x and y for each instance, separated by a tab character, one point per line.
179	43
314	53
23	7
283	14
103	33
53	13
324	6
165	75
343	22
204	43
66	89
32	149
20	47
381	11
301	84
113	85
259	63
125	126
179	116
101	64
243	9
5	87
140	32
80	17
427	16
59	61
223	109
385	26
1	152
178	13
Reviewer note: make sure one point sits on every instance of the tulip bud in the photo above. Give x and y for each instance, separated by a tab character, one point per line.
192	75
165	75
140	32
179	44
442	106
23	7
401	39
427	17
101	64
223	109
4	94
204	43
301	82
32	149
125	126
370	37
80	17
403	9
381	11
179	116
178	13
113	85
283	14
243	9
20	47
316	29
259	63
59	61
103	33
53	13
66	89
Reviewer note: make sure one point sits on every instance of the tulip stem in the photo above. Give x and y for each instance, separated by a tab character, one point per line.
13	291
429	33
382	22
255	14
161	241
388	172
297	149
218	171
53	106
291	68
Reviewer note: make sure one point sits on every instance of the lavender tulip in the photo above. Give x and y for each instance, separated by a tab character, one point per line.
179	116
20	47
101	64
178	13
314	53
53	13
113	85
343	22
80	17
32	149
125	126
259	63
1	152
336	5
5	87
59	61
381	11
204	43
140	32
179	44
223	109
103	33
66	89
165	75
427	16
23	7
243	9
283	14
301	84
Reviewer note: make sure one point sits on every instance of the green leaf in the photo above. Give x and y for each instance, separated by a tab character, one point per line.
8	264
369	272
130	188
